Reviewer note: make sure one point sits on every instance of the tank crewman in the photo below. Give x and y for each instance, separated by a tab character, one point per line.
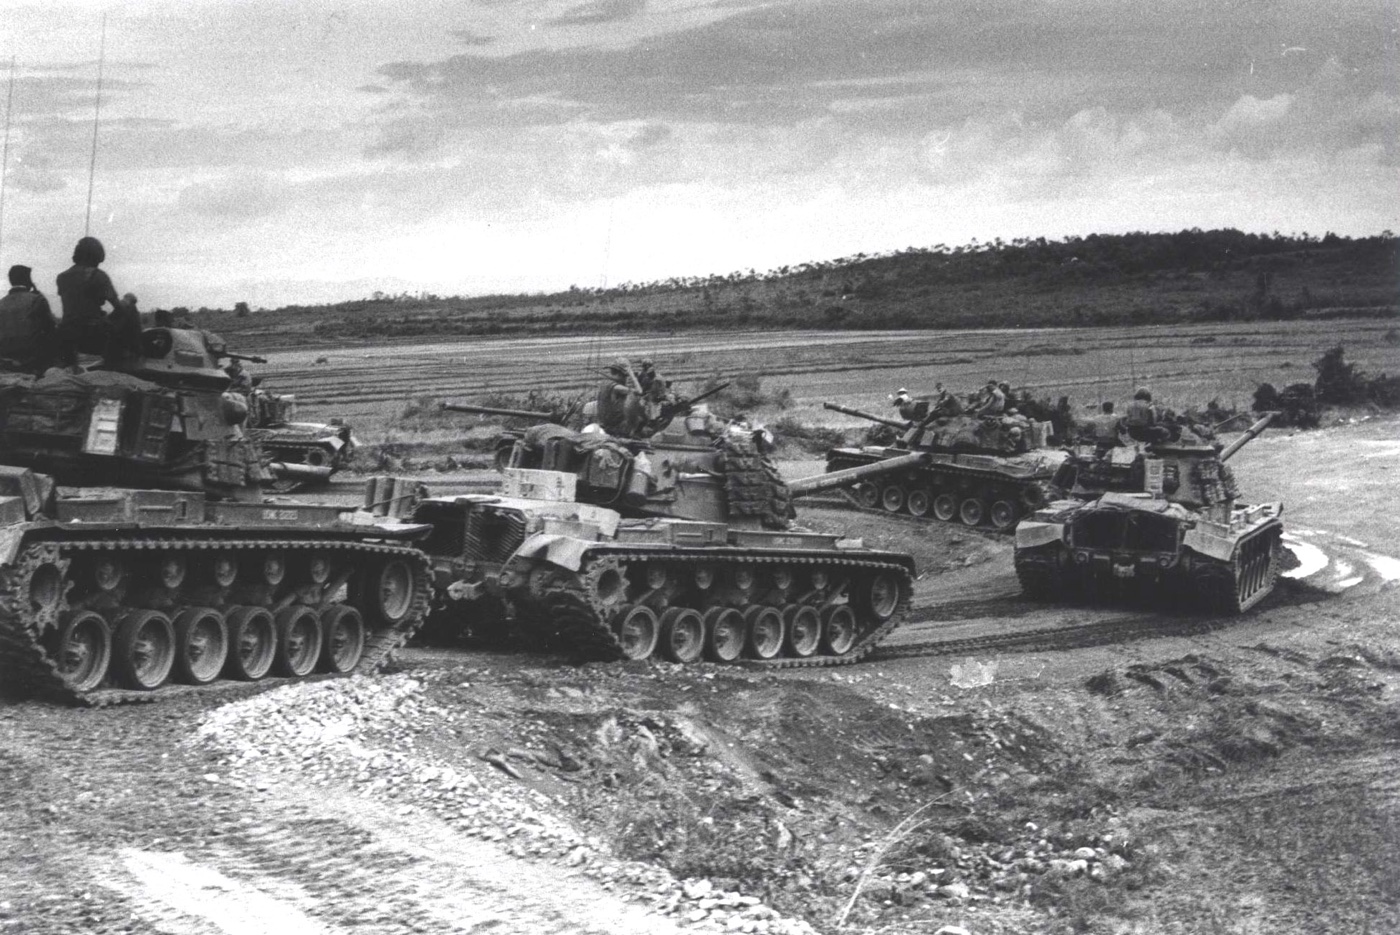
27	324
84	289
993	401
239	379
1142	420
909	408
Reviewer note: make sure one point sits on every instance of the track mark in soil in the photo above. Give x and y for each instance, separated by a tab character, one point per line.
1334	562
179	896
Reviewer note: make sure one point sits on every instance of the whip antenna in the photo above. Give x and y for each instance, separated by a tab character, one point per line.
96	115
5	156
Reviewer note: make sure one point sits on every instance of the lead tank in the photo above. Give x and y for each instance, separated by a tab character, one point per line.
679	546
981	471
1153	518
158	567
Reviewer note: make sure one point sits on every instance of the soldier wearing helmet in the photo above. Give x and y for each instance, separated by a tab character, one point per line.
84	289
26	324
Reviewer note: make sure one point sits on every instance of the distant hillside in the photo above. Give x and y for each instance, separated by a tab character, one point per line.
1138	278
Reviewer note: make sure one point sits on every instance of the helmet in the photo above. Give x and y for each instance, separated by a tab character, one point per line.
89	252
1143	393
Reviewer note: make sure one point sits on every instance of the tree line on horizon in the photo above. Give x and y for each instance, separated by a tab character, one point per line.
1189	275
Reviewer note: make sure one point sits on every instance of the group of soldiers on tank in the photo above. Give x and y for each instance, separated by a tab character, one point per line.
32	339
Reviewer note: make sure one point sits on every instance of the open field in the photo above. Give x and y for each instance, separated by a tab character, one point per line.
1183	364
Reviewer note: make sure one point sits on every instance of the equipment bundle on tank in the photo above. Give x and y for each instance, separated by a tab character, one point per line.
109	592
977	470
1154	517
680	545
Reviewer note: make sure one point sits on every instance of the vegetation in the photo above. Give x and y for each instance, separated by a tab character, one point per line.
1136	278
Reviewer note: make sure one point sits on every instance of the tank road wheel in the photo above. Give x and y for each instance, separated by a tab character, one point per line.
144	649
201	645
724	634
1003	515
252	642
638	631
838	629
343	636
682	634
803	626
84	650
918	502
391	591
765	631
868	495
878	596
945	507
298	641
972	511
892	498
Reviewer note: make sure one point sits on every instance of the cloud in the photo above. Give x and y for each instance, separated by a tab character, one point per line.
597	12
238	198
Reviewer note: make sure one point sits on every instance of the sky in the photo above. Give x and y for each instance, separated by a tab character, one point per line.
279	152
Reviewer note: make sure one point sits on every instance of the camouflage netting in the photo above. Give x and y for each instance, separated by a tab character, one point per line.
753	484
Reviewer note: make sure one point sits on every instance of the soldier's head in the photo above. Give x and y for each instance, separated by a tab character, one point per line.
1144	394
234	368
89	252
1004	386
991	384
21	276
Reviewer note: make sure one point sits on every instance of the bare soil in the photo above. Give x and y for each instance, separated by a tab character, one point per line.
1229	776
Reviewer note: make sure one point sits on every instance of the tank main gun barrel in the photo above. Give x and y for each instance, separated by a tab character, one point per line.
819	482
496	411
859	414
1249	435
287	470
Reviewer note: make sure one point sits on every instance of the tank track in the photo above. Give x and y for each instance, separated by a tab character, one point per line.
568	619
29	670
965	477
1235	586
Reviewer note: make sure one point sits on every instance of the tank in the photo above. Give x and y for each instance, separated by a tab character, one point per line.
304	454
158	567
680	546
981	471
1153	518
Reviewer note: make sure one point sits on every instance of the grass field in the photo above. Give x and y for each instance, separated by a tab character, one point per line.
1183	364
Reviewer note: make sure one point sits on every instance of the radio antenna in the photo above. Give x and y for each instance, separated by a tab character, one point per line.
96	116
5	155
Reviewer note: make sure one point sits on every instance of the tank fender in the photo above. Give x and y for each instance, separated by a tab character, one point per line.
10	538
564	551
1031	533
1204	542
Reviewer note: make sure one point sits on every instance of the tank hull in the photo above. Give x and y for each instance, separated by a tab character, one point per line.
980	490
589	585
140	595
1100	551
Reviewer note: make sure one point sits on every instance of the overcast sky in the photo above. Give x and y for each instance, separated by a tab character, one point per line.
278	152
